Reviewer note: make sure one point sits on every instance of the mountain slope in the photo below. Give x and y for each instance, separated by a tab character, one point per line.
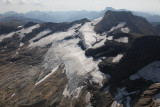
46	52
70	65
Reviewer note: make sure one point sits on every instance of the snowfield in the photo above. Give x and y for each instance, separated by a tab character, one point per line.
90	37
117	58
122	39
68	52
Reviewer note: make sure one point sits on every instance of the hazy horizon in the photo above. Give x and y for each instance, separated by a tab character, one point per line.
23	6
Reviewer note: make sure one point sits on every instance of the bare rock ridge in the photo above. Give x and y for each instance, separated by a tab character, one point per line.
112	61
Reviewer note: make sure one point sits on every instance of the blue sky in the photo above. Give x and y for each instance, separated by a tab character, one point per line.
65	5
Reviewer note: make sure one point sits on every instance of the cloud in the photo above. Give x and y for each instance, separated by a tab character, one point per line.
65	5
8	2
30	1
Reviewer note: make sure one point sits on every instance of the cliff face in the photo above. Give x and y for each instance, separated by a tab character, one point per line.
69	64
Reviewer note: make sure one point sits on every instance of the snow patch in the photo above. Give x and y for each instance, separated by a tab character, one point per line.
90	37
53	70
120	25
117	58
13	95
24	31
6	36
96	21
21	44
151	72
75	93
29	29
115	104
109	38
66	92
40	35
88	34
122	39
98	76
20	27
87	98
99	44
125	30
15	54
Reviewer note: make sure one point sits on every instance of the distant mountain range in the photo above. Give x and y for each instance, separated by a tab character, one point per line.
68	16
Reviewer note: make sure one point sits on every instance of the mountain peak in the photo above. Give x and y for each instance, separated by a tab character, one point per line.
109	8
135	24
